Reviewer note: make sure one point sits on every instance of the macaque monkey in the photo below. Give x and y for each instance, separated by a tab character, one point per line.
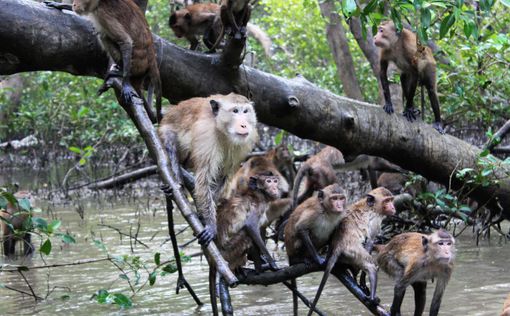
351	242
126	37
319	171
19	219
396	183
506	307
239	223
211	136
413	259
416	63
311	224
234	15
200	19
240	219
284	162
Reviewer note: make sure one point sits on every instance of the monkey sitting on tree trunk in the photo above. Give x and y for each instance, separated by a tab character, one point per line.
211	136
127	38
413	259
351	242
416	63
14	217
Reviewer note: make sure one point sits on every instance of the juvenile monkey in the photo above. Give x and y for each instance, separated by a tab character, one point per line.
240	219
413	259
319	171
416	63
211	136
200	19
355	234
126	37
311	224
506	307
18	218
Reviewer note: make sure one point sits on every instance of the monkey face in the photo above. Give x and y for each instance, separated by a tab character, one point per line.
237	120
337	203
388	206
271	186
442	244
179	22
386	35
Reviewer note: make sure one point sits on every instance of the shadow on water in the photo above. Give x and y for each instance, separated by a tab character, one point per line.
479	285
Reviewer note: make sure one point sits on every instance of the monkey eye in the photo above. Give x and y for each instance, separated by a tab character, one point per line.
441	243
245	111
235	111
449	244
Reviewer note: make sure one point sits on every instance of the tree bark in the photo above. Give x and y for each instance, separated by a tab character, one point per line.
37	38
339	46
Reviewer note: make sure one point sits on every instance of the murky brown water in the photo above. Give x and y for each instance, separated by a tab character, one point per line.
479	285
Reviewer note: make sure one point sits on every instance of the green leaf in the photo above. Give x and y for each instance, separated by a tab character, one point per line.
54	225
370	7
82	161
349	6
484	153
157	257
99	244
75	150
67	239
46	247
3	203
122	300
65	297
124	276
170	268
278	138
505	2
152	278
101	296
446	24
40	223
24	204
425	17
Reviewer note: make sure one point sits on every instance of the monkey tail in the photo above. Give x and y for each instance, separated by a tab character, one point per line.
155	88
261	37
331	263
302	172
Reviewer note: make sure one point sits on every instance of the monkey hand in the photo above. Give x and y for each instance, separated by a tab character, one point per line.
207	235
320	261
388	108
439	127
410	114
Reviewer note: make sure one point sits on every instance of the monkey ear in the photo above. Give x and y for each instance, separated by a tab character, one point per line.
252	184
215	106
370	200
173	19
424	241
320	195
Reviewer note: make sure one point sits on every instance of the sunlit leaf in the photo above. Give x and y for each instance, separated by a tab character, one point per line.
54	225
46	247
152	278
122	300
75	150
446	24
24	204
170	268
157	257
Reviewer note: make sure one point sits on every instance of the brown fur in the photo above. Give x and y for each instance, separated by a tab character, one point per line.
209	143
283	160
317	215
17	218
416	63
319	171
122	22
413	259
359	228
506	307
234	215
200	19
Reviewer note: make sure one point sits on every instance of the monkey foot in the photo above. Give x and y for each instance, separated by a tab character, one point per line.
206	236
410	114
375	300
166	189
439	127
127	93
388	108
181	283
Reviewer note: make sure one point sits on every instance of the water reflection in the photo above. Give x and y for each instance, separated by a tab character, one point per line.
479	285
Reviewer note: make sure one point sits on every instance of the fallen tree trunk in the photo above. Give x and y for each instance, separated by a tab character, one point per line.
36	38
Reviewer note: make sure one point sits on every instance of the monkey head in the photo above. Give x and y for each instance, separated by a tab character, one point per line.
440	245
180	22
83	7
282	153
381	200
386	35
235	117
333	199
266	183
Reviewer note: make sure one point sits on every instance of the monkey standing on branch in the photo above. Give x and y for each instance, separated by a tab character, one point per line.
200	19
211	136
126	37
318	171
417	65
413	259
16	218
355	234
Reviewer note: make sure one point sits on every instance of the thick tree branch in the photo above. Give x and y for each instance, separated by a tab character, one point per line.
37	38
